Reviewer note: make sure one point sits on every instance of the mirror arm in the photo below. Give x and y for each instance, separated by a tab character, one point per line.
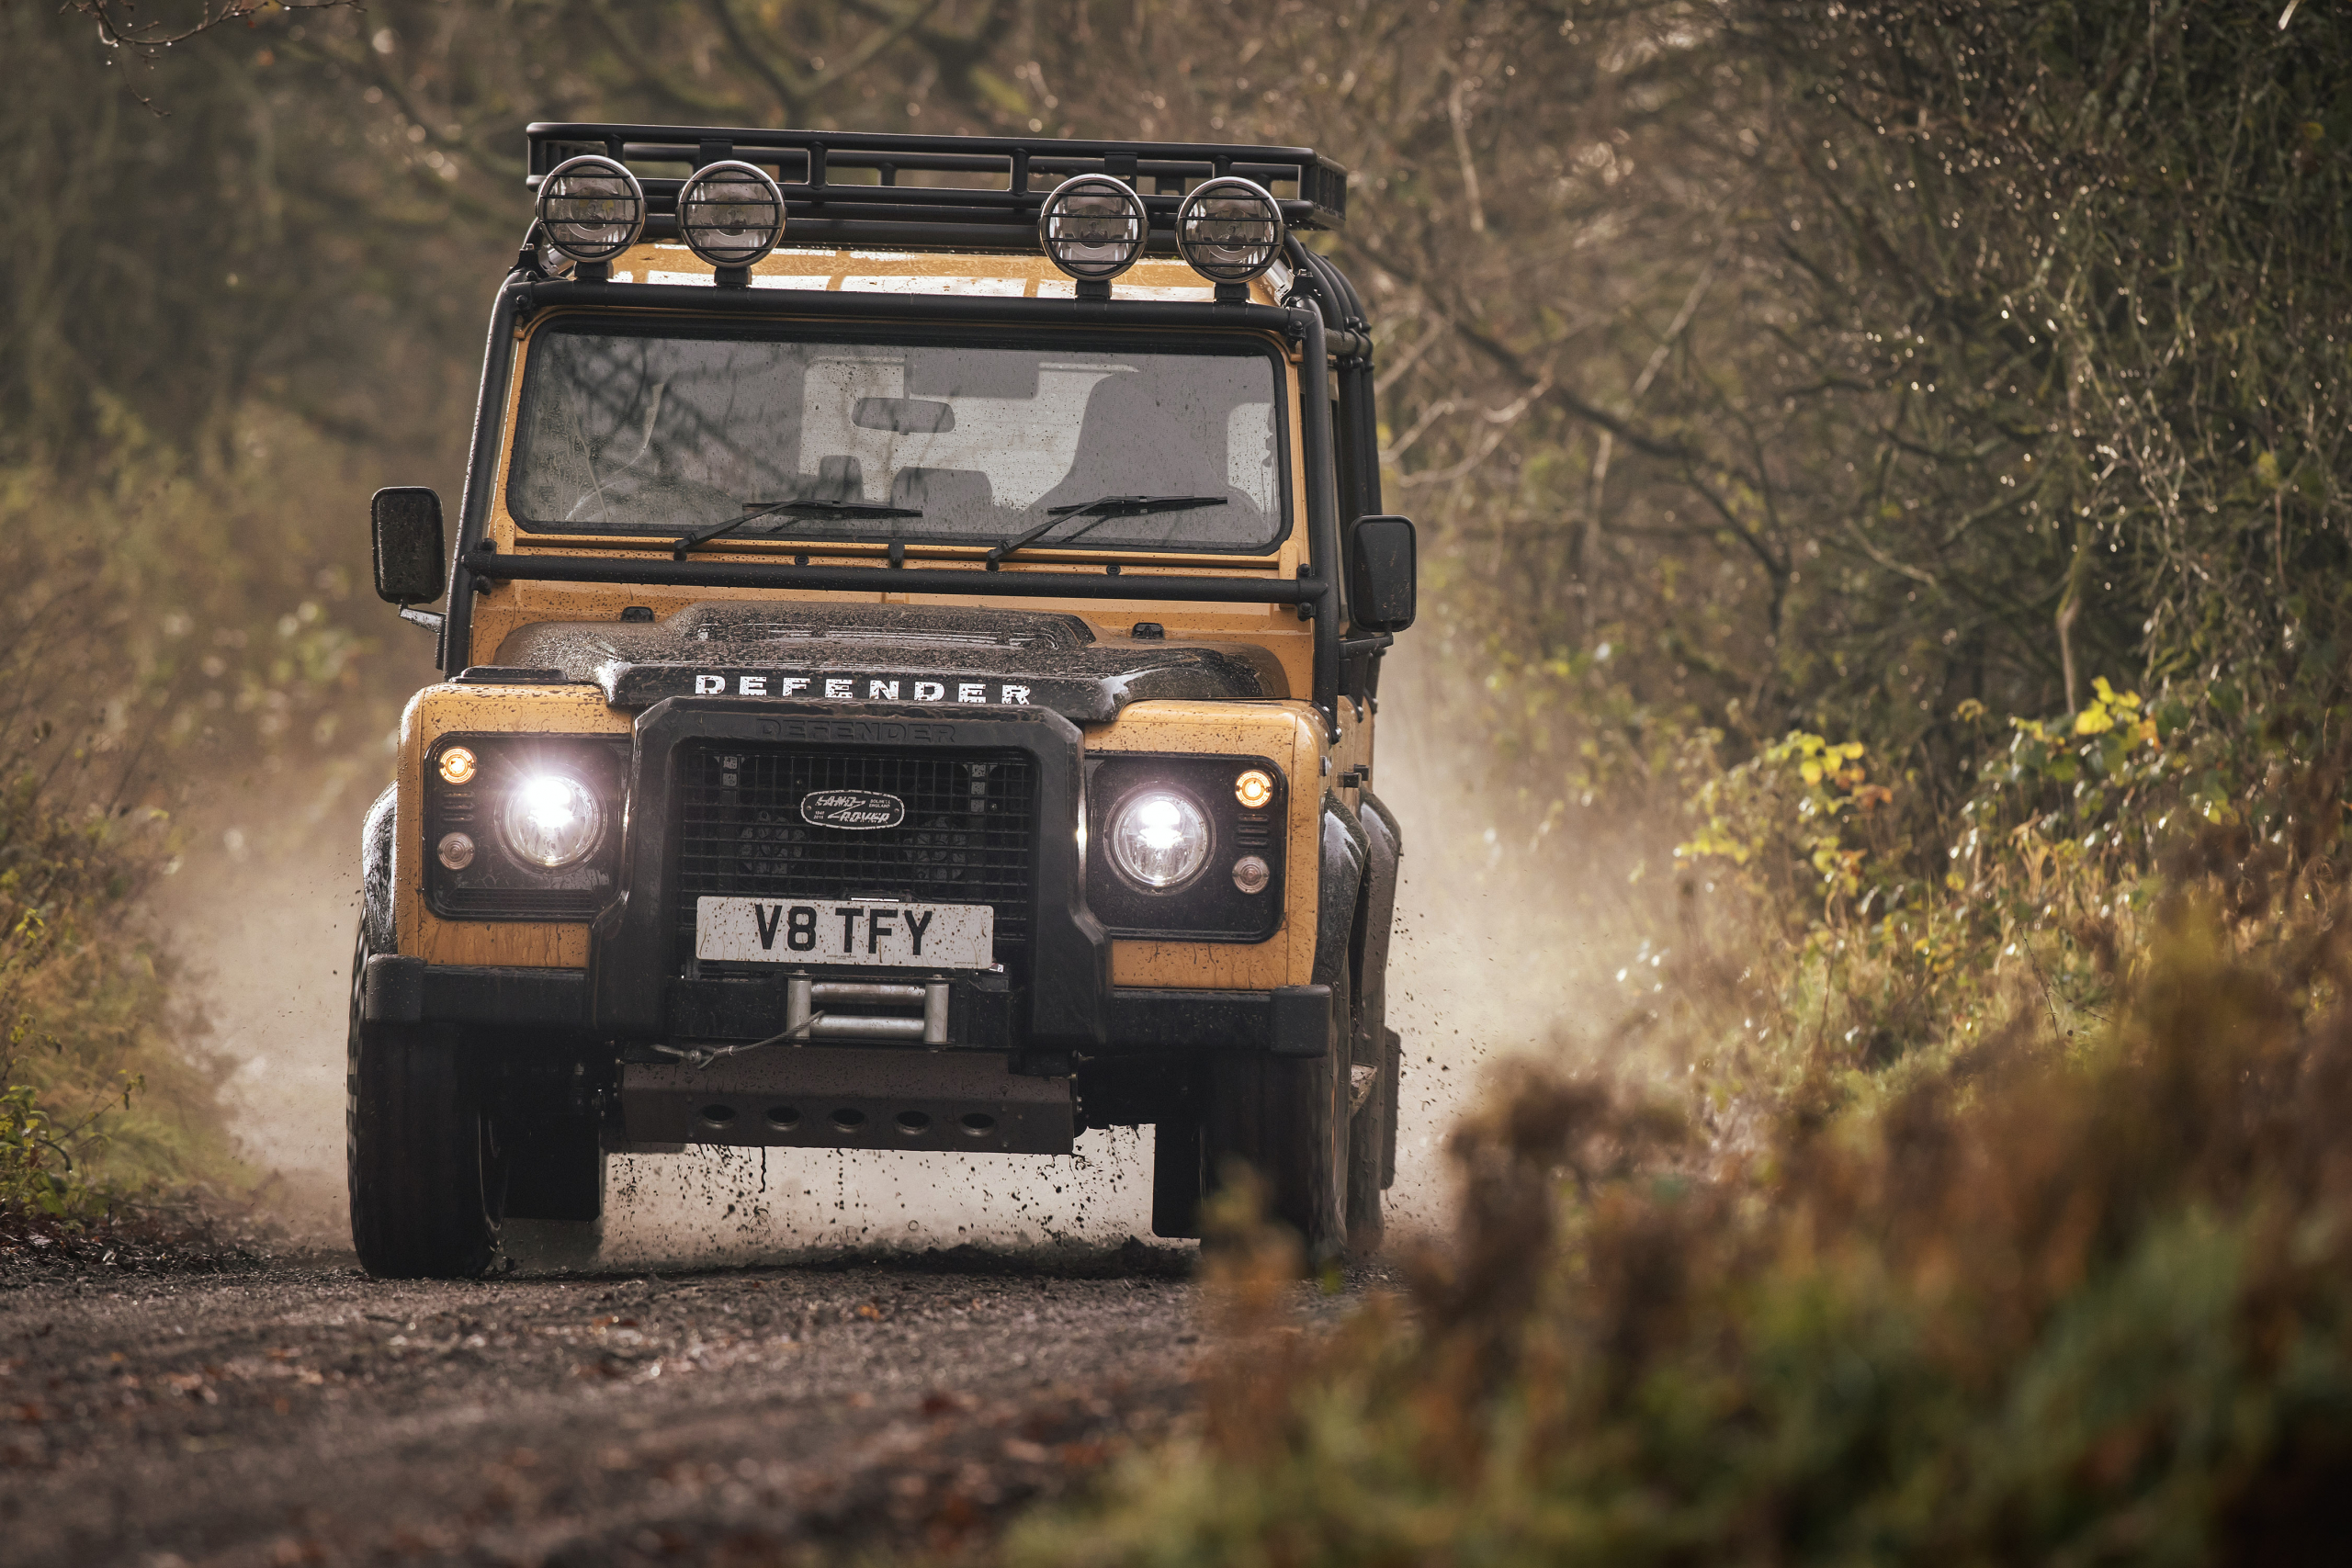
431	620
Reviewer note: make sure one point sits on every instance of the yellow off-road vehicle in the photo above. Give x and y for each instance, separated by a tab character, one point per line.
911	645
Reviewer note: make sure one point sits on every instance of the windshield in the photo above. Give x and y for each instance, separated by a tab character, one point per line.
622	432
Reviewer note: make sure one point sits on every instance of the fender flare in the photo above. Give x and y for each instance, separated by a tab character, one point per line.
1375	1043
1339	879
1378	910
376	849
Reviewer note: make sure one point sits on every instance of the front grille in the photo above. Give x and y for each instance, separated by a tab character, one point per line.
969	835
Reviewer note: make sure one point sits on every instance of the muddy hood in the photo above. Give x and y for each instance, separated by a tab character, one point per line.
921	655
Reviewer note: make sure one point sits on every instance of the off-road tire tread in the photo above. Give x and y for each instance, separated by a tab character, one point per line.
423	1204
1286	1119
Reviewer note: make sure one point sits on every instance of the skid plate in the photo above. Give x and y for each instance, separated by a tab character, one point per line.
849	1097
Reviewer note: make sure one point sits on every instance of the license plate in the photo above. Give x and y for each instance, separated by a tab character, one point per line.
891	935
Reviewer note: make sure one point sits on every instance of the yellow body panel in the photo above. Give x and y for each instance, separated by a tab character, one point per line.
1289	736
476	710
1004	275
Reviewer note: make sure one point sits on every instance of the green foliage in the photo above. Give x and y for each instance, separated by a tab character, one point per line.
1904	929
35	1172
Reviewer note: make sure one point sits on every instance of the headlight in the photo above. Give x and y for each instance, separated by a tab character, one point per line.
593	209
1189	847
1229	230
551	819
1093	227
1159	839
731	214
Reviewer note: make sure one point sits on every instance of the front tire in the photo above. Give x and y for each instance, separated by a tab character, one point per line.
427	1176
1286	1120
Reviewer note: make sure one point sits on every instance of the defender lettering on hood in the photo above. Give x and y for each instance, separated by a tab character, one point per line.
860	688
928	655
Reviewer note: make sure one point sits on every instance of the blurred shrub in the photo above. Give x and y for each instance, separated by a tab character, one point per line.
1901	930
1974	1194
106	1093
2075	1300
105	1090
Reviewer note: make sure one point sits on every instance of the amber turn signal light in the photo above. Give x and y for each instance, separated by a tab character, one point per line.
1254	788
456	766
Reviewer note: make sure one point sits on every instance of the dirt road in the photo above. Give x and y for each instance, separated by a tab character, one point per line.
288	1414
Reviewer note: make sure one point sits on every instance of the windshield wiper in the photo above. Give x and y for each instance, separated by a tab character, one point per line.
790	509
1104	508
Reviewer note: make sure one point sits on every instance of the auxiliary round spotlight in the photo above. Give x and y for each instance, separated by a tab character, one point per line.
1230	229
730	213
593	209
1093	227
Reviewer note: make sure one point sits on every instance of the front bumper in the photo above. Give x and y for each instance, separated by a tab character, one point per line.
1292	1021
1049	1001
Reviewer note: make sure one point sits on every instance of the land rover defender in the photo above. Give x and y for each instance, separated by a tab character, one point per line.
910	652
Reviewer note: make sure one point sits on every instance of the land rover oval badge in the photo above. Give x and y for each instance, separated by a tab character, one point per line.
859	810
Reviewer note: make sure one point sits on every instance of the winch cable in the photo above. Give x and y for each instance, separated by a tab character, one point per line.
703	1055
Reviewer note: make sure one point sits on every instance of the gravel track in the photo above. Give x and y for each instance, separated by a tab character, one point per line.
301	1413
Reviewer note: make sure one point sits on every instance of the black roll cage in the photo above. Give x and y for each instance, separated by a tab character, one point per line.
1323	315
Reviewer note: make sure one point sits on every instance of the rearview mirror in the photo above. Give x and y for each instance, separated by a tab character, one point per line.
410	559
1381	573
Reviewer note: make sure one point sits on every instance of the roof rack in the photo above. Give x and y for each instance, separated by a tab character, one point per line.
952	191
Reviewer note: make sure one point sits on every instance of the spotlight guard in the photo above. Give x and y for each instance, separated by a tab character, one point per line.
1230	230
731	214
591	209
1093	227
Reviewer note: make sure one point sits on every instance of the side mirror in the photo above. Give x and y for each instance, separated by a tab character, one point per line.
412	560
1382	573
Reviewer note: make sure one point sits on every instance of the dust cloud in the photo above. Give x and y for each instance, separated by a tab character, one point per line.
1498	951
